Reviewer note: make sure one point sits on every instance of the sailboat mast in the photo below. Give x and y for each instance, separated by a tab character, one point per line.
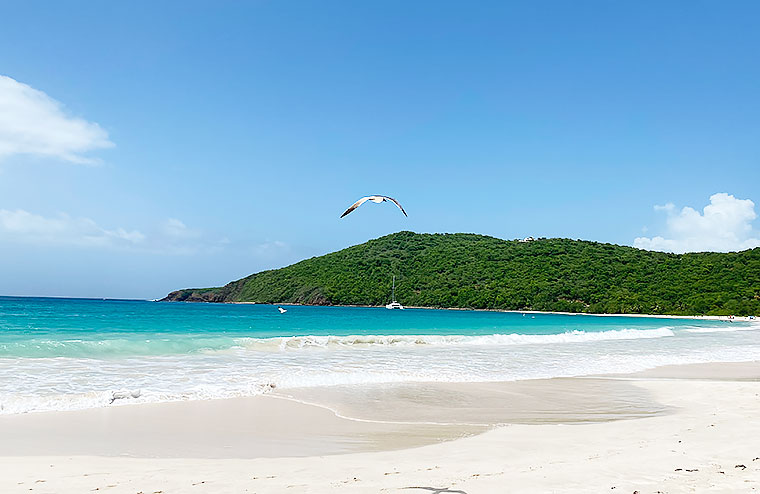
393	293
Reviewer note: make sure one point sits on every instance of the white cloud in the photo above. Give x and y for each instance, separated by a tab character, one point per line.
724	225
33	123
62	229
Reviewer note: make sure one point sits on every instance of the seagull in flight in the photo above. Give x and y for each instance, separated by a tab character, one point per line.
375	199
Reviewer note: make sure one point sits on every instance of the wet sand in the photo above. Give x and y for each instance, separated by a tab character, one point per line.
256	427
320	421
540	401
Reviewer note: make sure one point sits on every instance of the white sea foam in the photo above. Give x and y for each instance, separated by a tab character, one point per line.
69	383
312	341
726	328
21	403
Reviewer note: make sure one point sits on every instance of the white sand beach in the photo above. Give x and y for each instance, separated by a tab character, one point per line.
690	428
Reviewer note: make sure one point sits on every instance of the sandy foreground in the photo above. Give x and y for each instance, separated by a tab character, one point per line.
674	429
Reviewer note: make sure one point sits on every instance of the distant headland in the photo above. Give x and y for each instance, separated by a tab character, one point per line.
475	271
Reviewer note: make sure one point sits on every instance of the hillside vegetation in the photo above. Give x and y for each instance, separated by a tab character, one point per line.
476	271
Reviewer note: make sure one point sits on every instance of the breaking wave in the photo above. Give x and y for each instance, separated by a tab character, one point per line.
329	341
193	344
729	328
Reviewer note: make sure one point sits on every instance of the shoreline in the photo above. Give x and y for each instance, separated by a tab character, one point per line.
478	406
699	440
509	311
323	420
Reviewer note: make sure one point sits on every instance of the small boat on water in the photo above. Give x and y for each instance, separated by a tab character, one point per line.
394	304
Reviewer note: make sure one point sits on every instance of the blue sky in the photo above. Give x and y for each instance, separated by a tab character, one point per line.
150	146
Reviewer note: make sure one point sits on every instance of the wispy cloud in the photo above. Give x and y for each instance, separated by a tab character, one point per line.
724	225
176	229
170	237
62	229
271	249
31	122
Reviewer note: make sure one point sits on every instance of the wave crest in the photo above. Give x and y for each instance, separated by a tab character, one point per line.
314	341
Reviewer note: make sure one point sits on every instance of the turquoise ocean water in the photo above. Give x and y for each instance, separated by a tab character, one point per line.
60	354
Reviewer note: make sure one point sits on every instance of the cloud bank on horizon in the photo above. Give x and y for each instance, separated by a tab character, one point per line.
31	122
724	225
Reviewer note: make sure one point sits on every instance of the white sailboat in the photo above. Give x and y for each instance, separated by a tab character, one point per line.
394	304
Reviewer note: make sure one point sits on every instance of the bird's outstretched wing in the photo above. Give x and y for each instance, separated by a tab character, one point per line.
355	205
394	201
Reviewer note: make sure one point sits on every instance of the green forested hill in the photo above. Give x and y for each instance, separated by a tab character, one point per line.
475	271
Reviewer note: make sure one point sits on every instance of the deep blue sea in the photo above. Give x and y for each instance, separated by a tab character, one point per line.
60	354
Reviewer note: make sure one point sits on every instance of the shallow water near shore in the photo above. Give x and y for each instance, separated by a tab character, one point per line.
64	354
